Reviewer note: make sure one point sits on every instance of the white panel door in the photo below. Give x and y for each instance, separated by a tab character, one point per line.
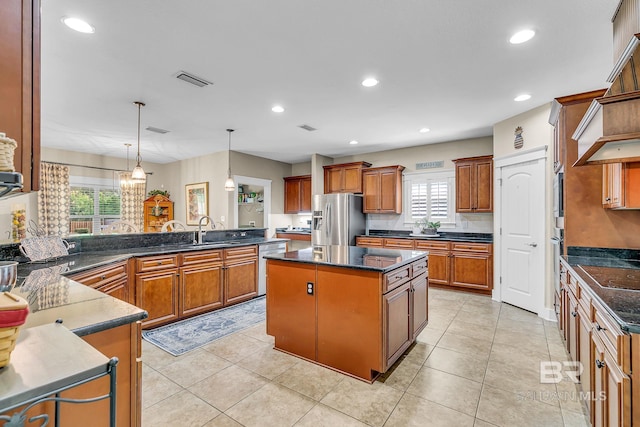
522	223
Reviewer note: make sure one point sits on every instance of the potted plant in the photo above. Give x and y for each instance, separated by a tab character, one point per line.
426	226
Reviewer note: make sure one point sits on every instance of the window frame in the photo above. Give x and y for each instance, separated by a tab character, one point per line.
424	177
97	184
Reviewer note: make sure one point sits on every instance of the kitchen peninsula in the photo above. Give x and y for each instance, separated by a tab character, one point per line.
353	309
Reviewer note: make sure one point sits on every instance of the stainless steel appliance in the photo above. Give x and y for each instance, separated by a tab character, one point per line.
267	248
558	199
336	219
557	242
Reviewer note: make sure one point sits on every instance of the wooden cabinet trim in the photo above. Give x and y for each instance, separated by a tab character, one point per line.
199	257
154	263
241	252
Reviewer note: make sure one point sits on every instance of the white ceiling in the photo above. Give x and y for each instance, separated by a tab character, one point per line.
445	65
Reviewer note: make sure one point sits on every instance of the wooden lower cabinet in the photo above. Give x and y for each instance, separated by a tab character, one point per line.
157	293
173	287
611	387
585	354
124	343
369	242
358	322
112	279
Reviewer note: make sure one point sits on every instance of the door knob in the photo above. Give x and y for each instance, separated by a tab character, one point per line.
534	245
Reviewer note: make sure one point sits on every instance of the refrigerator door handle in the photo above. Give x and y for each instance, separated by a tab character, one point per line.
328	227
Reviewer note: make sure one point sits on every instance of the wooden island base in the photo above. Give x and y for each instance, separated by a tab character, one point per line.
358	320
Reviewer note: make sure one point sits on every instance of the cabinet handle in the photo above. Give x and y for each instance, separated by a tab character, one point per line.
159	262
600	364
103	277
574	313
608	199
600	328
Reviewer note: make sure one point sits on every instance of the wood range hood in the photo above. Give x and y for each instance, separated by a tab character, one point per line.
609	132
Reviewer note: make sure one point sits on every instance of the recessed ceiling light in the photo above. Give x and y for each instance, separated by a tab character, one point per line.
277	109
353	142
369	82
522	97
424	130
522	36
78	25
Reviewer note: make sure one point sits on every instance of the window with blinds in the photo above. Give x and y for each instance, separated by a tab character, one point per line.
95	203
430	194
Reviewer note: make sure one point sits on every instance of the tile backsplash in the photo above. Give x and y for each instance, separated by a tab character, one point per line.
467	223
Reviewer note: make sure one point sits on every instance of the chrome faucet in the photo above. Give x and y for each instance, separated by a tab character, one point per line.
202	232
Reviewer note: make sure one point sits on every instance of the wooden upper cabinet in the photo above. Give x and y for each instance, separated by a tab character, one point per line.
344	178
621	185
20	85
474	184
382	189
158	210
297	194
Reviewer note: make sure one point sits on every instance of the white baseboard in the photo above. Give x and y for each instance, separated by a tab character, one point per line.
548	314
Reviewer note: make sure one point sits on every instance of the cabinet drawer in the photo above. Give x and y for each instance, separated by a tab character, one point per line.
428	244
241	252
398	243
369	242
100	276
153	263
418	267
395	278
471	247
617	342
200	257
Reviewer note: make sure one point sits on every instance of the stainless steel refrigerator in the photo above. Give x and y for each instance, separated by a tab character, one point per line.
336	219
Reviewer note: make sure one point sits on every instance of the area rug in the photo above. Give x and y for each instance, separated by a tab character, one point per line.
189	334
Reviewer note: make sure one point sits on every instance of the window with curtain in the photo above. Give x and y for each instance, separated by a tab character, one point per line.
431	195
94	204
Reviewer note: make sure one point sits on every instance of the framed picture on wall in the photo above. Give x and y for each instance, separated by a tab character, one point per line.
197	198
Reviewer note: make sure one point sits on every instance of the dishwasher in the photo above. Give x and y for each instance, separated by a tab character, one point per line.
267	249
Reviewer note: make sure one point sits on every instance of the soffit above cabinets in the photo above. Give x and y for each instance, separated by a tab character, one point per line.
609	132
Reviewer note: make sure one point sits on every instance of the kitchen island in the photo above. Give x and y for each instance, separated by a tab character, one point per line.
352	309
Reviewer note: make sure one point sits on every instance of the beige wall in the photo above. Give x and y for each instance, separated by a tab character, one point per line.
537	131
301	169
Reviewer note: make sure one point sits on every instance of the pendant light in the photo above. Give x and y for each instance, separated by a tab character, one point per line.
138	174
125	177
229	185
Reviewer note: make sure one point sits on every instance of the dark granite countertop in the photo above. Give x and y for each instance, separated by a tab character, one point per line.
442	235
82	309
351	257
622	304
295	230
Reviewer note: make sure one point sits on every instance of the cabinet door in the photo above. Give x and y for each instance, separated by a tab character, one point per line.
200	288
352	179
612	185
389	192
585	356
372	192
397	322
618	386
241	280
419	302
333	180
291	311
157	293
573	326
305	194
292	196
470	270
599	382
117	289
483	186
439	268
464	186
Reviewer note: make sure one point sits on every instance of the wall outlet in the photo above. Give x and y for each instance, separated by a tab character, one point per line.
222	218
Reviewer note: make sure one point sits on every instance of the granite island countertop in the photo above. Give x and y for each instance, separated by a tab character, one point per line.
622	304
352	257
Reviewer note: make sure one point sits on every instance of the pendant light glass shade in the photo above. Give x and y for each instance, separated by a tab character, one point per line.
125	177
229	185
138	174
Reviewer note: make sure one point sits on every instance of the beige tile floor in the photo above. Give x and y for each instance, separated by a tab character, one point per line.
476	364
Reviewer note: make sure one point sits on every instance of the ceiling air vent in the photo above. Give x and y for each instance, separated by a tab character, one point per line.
157	130
194	80
307	127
